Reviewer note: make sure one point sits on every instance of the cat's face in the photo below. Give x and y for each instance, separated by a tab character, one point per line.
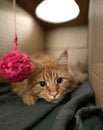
52	81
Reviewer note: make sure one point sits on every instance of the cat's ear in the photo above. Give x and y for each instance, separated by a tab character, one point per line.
63	59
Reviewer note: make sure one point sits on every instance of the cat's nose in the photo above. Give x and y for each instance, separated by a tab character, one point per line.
53	94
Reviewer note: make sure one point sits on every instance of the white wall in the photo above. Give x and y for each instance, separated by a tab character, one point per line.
74	39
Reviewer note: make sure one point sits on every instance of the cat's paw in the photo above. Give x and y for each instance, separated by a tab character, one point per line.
29	99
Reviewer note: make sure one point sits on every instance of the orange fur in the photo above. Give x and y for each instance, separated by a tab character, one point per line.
52	79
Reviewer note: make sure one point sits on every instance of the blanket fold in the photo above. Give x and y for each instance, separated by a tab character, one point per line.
77	112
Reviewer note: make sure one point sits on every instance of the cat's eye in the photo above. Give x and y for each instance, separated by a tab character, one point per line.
59	80
42	83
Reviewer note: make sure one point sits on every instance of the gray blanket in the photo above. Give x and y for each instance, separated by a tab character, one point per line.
76	112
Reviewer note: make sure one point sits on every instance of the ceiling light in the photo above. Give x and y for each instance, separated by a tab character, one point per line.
57	11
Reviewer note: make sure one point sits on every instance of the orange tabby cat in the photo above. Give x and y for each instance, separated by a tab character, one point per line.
51	80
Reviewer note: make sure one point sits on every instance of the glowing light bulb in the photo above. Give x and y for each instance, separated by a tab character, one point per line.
57	11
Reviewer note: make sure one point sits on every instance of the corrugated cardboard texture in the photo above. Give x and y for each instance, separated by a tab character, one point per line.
96	48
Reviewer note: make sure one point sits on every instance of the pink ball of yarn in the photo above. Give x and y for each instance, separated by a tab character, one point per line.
16	66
